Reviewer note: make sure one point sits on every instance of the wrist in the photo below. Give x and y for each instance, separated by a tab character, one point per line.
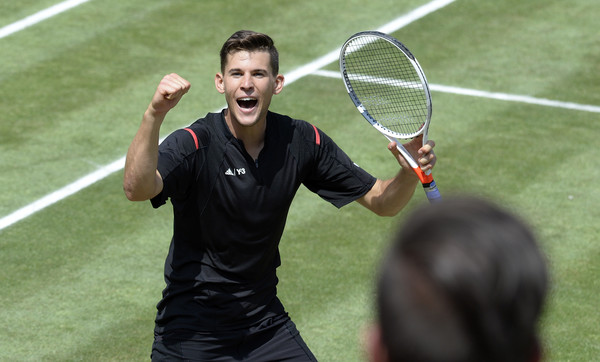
408	174
154	117
155	112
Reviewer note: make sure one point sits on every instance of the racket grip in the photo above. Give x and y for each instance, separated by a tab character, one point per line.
432	192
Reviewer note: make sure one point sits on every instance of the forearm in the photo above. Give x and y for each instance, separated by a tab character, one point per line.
388	197
140	181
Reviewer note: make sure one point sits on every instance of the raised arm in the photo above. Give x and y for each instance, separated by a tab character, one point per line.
388	197
141	179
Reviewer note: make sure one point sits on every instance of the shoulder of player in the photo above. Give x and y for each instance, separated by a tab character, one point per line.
299	128
195	136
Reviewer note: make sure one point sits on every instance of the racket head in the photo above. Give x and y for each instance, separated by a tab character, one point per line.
386	84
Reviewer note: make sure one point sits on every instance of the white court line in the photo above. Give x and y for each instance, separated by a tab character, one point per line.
390	27
484	94
62	193
515	98
39	16
291	77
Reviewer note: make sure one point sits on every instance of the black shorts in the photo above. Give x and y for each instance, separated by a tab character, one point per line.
266	342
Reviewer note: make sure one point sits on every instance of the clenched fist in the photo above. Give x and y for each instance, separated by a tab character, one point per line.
169	92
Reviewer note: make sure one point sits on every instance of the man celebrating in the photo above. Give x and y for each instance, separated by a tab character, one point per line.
231	178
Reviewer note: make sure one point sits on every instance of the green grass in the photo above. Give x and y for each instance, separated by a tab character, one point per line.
80	279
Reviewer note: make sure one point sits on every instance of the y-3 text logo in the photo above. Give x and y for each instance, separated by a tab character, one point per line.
235	171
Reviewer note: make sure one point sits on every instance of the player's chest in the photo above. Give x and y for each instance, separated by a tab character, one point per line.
273	176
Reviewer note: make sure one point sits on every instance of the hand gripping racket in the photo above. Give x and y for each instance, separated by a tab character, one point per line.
389	88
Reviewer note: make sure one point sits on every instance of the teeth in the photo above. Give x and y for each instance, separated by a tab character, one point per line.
247	99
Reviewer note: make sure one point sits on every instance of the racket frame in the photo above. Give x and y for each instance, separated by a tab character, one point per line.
425	177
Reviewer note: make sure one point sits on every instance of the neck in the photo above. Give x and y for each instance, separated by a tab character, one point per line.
253	137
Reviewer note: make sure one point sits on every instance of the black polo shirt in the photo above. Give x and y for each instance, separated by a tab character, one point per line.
230	212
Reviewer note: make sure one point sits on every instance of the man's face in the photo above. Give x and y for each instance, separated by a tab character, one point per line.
248	84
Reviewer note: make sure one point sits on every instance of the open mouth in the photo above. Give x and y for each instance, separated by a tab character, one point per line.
247	103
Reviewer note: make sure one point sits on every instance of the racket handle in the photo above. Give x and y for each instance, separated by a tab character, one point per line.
432	192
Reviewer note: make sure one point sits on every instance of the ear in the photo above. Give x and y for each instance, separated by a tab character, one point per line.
219	84
279	80
374	345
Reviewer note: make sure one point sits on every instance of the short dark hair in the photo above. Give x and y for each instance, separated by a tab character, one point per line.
251	41
464	280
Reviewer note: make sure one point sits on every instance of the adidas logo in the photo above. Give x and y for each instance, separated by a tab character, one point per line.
235	172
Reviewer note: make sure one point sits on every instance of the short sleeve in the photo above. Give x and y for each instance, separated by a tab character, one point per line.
176	165
335	177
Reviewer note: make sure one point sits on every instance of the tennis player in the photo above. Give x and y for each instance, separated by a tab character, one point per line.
231	177
464	280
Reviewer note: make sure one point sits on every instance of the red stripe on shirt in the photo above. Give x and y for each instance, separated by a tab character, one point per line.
317	136
193	135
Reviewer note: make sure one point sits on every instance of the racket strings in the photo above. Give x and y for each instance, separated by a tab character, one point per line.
387	84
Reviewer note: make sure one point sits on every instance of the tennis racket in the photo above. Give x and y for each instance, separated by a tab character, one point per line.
389	88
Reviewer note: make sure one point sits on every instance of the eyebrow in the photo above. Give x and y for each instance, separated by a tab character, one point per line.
236	70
